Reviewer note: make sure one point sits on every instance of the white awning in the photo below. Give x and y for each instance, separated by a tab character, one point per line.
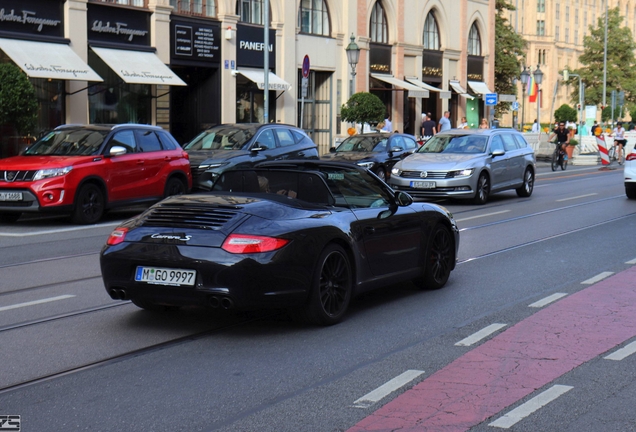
423	85
258	76
138	67
48	60
479	87
414	91
455	85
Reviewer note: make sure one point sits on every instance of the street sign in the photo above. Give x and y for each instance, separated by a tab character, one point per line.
491	99
515	106
306	67
305	86
507	98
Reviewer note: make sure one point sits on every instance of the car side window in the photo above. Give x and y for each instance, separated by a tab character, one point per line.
126	139
354	189
148	141
509	142
521	141
298	136
410	143
266	140
496	143
167	142
398	142
285	138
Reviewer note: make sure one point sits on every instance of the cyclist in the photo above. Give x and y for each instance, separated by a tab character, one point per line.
619	140
563	138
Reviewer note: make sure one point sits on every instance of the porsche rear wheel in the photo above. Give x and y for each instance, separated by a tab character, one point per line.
331	287
439	258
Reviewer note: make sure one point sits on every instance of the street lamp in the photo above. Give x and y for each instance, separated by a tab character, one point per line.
525	75
353	55
538	77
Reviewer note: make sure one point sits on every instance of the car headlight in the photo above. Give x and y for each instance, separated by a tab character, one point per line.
367	165
461	173
51	172
396	171
212	166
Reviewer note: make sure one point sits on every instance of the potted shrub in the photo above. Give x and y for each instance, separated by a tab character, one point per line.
363	108
569	149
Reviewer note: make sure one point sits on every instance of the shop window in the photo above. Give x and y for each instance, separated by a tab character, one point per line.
314	17
194	7
378	25
474	41
250	11
137	3
431	33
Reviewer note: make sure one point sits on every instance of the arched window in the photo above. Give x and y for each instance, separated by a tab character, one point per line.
250	11
431	33
474	41
314	17
379	30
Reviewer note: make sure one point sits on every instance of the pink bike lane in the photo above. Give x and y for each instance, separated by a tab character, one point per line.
515	363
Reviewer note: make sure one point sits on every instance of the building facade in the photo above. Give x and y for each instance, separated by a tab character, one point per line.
554	30
188	64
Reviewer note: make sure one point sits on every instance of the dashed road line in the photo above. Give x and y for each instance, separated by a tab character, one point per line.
524	410
620	354
547	300
386	389
36	302
599	277
631	262
576	197
481	334
481	216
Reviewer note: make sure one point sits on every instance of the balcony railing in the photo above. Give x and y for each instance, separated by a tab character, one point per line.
136	3
206	8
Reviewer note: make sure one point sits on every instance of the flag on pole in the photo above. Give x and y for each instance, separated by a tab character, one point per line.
534	93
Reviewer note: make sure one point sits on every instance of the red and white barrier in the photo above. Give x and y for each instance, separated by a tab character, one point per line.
602	149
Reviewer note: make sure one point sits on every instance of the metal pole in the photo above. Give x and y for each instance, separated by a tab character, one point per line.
266	62
523	105
539	107
605	63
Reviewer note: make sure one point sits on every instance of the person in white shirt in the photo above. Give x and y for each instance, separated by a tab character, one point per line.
535	126
388	126
619	140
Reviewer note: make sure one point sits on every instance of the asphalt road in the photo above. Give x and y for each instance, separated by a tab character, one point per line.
74	359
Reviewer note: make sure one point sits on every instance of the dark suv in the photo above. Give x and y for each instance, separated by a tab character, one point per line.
243	145
86	169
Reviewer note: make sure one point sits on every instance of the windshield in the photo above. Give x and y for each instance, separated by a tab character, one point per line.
455	144
222	138
68	142
363	144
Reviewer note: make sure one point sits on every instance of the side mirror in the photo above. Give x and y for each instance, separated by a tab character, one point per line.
403	199
117	151
332	150
498	153
396	149
257	148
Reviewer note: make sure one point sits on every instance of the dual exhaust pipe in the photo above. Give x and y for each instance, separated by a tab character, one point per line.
118	294
220	302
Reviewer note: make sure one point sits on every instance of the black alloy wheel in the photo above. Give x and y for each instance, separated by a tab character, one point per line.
483	189
439	258
528	184
89	205
174	186
9	217
331	287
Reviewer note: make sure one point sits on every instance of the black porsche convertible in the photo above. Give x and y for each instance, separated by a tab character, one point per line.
301	235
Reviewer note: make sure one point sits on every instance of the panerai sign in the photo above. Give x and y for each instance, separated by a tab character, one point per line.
117	28
28	18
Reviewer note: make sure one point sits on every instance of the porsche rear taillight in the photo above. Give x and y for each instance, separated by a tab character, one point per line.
244	244
117	236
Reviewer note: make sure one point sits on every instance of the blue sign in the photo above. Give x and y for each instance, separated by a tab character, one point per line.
515	106
491	99
306	67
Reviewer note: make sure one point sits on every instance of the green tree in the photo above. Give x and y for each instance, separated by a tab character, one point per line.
509	50
18	101
620	61
565	113
363	108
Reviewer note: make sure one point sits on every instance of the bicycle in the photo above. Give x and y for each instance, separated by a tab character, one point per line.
559	157
613	156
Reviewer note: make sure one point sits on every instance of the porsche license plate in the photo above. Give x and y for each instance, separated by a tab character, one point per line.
423	184
10	196
165	276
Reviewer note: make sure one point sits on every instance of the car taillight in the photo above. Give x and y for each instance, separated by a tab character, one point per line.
631	157
185	155
243	244
117	236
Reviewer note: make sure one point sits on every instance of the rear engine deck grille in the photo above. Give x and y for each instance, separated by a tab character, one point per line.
190	216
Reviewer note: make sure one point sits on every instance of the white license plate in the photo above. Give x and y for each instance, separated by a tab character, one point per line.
165	276
423	184
10	196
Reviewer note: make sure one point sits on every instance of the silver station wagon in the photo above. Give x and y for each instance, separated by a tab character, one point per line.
468	164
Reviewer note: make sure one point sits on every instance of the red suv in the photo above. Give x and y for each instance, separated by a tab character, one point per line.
86	169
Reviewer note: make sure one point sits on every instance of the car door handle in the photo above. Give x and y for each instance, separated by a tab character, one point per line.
140	162
369	230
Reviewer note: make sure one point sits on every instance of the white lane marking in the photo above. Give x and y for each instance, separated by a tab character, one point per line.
577	197
481	216
547	300
597	278
631	262
385	389
524	410
61	230
476	337
627	350
35	302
